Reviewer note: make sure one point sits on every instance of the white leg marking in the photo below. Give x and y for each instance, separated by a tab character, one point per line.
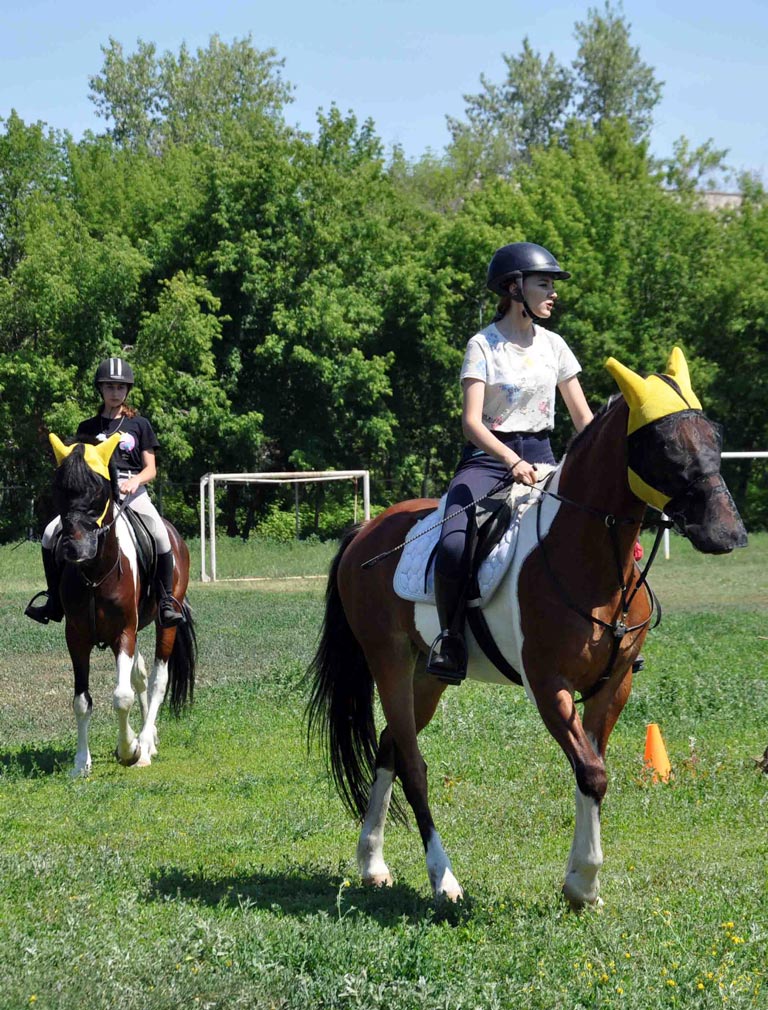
370	846
83	755
122	702
158	682
444	884
581	885
139	684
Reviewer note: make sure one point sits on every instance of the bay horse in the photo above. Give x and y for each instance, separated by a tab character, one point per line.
570	616
101	592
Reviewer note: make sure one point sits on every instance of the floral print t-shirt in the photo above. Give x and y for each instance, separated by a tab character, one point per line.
520	382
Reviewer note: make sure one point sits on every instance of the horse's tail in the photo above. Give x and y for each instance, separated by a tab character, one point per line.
339	712
182	662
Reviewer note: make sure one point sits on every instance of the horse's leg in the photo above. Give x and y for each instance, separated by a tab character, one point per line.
139	683
158	683
370	846
80	654
401	693
127	751
600	715
558	710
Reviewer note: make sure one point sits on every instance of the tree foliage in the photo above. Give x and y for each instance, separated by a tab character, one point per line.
303	302
606	82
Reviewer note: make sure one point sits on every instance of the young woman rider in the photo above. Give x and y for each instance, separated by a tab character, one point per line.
135	458
511	372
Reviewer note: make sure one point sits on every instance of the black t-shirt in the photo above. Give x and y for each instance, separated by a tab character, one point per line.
137	436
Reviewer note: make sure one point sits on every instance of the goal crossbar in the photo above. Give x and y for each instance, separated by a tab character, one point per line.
208	498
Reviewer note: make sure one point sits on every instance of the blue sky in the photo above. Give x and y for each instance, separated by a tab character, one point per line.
404	63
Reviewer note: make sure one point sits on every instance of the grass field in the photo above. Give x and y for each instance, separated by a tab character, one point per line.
223	876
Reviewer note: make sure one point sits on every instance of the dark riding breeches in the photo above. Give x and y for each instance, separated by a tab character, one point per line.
476	474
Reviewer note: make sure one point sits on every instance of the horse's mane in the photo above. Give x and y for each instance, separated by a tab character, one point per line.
587	434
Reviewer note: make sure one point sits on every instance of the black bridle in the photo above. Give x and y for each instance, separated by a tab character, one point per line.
618	628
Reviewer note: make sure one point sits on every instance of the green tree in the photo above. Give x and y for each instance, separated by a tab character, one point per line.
505	120
153	100
612	81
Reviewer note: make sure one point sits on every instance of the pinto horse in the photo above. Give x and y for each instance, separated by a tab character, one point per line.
101	592
570	616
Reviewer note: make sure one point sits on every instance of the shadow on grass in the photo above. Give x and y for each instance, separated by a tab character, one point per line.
304	893
31	762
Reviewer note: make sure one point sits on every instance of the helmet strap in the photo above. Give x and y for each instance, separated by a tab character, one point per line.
518	296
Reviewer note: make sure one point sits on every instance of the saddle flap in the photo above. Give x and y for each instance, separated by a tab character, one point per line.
146	547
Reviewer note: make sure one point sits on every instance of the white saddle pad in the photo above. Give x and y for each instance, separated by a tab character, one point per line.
409	582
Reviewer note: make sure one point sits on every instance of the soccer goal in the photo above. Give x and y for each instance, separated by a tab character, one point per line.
208	501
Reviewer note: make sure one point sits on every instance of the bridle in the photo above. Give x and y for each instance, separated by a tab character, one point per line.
618	628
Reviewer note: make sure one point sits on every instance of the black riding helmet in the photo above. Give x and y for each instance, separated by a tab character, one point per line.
514	262
114	370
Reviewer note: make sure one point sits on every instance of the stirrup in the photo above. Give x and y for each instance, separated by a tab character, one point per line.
451	670
638	664
40	614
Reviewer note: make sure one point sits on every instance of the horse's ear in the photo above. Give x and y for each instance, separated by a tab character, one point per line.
677	369
630	383
98	456
60	451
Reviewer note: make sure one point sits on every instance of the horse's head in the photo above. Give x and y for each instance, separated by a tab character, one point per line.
82	494
674	456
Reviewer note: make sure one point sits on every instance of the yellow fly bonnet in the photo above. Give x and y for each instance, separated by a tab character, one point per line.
97	457
650	400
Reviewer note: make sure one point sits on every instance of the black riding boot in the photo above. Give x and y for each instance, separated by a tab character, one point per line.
448	655
52	609
167	612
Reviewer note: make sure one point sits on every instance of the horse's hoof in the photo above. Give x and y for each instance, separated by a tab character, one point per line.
449	889
132	759
378	880
581	904
80	773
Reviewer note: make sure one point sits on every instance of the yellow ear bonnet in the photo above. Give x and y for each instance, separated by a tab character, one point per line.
652	398
96	456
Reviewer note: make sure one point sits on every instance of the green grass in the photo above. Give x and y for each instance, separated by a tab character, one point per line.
217	877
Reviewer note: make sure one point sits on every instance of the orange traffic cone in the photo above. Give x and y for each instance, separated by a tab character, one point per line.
656	754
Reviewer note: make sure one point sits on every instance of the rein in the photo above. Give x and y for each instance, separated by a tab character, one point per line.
93	585
505	481
619	627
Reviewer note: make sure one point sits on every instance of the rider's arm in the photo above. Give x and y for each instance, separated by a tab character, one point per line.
576	402
144	476
476	432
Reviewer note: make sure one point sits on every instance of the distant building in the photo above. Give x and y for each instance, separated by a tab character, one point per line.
715	200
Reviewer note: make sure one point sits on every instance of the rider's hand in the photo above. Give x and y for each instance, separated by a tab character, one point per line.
523	472
130	485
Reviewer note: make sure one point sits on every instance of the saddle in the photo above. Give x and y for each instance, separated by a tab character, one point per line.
492	540
492	544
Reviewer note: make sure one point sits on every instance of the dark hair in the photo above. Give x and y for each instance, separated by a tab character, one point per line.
503	307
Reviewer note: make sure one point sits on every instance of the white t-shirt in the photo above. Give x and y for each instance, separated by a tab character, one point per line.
520	382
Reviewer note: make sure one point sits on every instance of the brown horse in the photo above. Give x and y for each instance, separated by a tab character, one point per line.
101	592
570	616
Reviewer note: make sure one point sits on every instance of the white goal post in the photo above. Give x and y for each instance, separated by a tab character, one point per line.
208	497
